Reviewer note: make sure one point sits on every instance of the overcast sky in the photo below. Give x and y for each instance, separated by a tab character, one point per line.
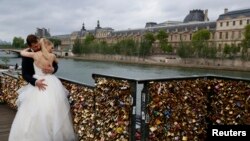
21	17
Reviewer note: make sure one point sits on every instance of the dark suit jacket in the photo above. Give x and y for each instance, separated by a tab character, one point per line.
28	69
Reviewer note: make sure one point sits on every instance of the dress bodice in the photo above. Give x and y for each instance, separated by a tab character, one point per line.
38	71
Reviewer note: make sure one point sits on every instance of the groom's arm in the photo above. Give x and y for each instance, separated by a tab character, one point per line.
26	71
51	69
55	66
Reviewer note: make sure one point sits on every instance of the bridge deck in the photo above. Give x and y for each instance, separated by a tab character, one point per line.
6	117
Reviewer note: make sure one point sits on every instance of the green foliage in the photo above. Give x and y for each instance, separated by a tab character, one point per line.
247	32
6	46
201	35
125	47
227	49
166	47
212	51
149	37
230	51
199	41
246	43
55	41
185	50
145	47
18	42
89	38
5	60
162	36
77	47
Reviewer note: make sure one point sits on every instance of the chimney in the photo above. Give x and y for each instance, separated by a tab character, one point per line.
206	15
225	10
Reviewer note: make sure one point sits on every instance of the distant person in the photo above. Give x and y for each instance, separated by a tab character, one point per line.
16	66
43	109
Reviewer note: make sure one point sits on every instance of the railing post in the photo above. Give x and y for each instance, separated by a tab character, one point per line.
144	115
133	114
1	89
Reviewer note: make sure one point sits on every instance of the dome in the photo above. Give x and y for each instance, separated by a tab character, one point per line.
194	15
150	24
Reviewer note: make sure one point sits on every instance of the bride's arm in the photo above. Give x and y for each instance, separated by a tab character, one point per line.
54	58
26	53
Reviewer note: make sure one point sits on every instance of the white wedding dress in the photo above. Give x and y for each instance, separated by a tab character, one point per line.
43	115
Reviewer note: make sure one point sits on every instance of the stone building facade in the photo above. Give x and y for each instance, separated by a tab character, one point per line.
227	29
230	27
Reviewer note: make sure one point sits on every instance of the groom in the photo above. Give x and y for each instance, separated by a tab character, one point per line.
27	64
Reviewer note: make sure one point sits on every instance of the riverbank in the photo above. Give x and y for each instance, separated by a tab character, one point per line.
170	61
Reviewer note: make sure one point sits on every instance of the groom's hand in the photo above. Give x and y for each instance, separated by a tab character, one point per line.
48	70
40	84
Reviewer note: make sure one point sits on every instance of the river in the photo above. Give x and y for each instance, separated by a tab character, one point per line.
81	70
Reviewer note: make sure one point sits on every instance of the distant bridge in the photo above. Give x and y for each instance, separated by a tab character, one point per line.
11	50
16	51
56	52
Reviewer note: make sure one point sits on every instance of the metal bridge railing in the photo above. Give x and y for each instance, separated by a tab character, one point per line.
180	108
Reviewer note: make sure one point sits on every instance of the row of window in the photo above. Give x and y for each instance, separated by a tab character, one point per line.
234	22
232	33
222	35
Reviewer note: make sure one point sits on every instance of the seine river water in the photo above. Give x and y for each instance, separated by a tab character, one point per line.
80	70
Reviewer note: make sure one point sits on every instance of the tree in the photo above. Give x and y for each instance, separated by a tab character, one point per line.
199	41
166	47
146	44
55	41
162	36
18	42
226	50
185	50
145	47
5	60
77	47
89	38
149	37
212	51
246	43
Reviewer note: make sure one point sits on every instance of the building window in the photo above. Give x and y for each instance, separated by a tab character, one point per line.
239	34
226	35
220	35
227	23
232	34
248	21
219	46
190	36
240	22
171	37
221	24
233	22
185	37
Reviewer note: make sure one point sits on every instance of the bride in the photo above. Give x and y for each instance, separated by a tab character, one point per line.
43	114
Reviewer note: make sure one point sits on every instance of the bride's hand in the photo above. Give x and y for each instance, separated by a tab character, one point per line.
48	70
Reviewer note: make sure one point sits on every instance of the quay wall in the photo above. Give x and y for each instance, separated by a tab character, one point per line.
171	61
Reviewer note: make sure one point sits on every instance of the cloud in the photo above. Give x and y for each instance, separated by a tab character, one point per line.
22	17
